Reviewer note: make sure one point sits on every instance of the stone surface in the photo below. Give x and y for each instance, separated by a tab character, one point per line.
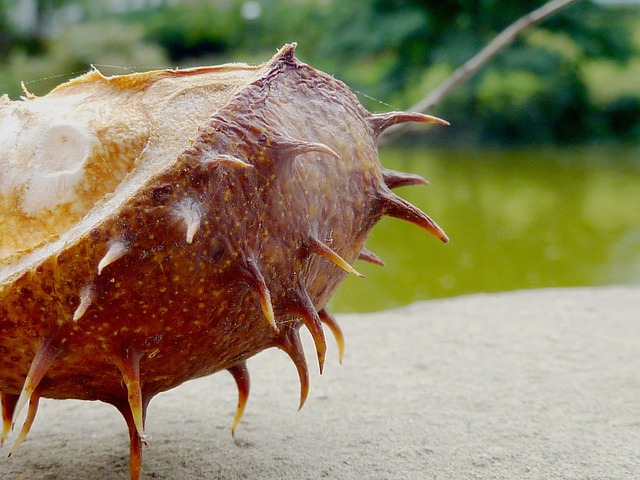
525	385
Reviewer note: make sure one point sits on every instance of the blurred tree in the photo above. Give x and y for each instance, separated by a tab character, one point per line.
5	32
43	15
74	52
533	91
422	33
191	30
394	50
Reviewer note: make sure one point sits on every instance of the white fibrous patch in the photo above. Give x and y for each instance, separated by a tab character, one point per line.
115	252
46	146
86	299
190	212
9	128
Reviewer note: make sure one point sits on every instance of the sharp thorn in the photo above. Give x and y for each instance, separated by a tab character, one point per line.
380	122
190	212
332	323
327	252
225	159
115	252
254	276
393	179
300	147
130	369
43	359
397	207
369	256
241	376
34	401
8	402
135	439
289	342
135	455
86	299
303	307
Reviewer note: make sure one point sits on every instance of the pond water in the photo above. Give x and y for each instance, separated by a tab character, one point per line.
517	219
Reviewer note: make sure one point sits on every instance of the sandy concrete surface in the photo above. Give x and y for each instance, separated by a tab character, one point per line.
527	385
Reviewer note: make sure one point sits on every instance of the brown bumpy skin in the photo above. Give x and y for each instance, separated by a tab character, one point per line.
206	253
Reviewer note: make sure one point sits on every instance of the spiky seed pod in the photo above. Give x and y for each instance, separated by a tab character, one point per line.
163	226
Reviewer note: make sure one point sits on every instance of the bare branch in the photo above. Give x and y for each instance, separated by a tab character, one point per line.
472	66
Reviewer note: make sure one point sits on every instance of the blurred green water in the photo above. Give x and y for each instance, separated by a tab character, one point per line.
517	219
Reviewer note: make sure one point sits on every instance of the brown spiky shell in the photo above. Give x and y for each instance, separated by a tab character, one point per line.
163	226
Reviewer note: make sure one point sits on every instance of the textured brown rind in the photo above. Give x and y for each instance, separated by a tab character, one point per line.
216	255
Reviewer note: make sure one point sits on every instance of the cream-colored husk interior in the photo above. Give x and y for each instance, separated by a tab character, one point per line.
75	154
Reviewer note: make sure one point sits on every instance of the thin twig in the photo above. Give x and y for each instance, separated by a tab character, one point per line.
479	60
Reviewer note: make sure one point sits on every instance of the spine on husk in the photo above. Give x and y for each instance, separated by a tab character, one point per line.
221	252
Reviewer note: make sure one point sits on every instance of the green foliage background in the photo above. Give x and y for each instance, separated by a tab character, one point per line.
573	79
